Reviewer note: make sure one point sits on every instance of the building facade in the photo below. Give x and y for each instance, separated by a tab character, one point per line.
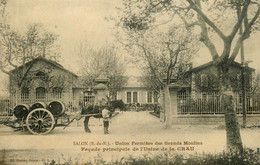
204	78
134	92
43	80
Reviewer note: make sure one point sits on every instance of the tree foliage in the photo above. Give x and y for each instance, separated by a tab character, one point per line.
215	18
101	61
218	22
160	53
18	48
164	52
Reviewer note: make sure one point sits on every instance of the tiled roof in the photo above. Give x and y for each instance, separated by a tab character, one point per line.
46	60
211	63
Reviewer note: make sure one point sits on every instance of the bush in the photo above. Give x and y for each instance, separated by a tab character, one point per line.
249	157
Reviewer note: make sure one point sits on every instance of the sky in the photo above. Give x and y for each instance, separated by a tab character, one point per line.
78	20
72	20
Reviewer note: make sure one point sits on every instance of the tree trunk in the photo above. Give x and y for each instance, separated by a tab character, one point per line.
168	106
233	142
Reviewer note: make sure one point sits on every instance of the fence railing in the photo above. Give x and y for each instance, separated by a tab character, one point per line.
72	103
210	103
204	103
5	107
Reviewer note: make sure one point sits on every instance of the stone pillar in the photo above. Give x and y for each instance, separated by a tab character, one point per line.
169	110
101	90
101	95
162	110
173	112
193	86
174	107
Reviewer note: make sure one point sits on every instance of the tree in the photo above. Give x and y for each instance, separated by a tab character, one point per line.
101	61
17	48
162	59
210	17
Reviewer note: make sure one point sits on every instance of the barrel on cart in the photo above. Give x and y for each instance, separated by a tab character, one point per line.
39	105
21	111
57	108
40	118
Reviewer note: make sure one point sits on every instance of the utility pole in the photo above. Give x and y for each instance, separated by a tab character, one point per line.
242	69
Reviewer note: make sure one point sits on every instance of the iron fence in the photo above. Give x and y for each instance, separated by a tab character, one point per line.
210	103
203	103
5	107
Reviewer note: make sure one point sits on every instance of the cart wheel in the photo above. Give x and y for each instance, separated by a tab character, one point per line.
40	121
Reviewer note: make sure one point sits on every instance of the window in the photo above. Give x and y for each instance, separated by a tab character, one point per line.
40	93
149	97
240	98
89	97
155	97
40	74
204	96
204	79
135	97
128	97
24	94
57	91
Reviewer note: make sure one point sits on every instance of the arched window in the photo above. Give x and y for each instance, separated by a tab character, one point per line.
56	92
40	74
40	93
24	94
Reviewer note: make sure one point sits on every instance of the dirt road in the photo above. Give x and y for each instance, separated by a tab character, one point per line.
127	130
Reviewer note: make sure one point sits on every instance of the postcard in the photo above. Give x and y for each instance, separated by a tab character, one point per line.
129	82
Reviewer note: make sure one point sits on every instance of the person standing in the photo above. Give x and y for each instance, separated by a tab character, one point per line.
105	115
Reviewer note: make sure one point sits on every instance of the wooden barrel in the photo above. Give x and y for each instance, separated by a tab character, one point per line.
21	111
39	105
57	108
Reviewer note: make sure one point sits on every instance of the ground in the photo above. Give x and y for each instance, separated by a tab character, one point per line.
126	129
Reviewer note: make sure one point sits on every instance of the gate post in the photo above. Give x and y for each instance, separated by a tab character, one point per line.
162	110
101	89
174	107
169	112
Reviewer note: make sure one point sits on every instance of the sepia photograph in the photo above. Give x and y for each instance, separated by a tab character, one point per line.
130	82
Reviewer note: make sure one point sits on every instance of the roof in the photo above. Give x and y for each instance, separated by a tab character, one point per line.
178	85
46	60
101	79
100	86
134	82
236	64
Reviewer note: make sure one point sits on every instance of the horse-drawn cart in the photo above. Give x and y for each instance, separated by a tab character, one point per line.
41	118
